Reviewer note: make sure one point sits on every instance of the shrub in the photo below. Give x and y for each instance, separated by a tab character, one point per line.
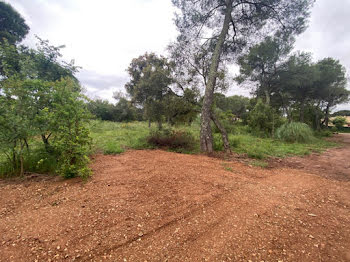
323	133
172	139
72	139
339	122
263	120
333	129
295	132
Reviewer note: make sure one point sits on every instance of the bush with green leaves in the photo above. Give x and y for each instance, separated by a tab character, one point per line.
18	119
33	108
68	122
263	120
339	122
295	132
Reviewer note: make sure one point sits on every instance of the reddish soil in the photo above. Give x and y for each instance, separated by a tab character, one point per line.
334	163
162	206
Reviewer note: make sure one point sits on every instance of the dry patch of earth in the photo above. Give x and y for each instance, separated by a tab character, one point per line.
162	206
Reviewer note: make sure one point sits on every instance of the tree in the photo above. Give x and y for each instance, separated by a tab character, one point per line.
41	64
191	63
12	25
149	84
230	25
45	62
35	100
102	109
124	111
298	77
236	105
10	58
331	85
261	64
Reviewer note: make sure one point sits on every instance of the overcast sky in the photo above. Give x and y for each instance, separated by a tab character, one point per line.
103	36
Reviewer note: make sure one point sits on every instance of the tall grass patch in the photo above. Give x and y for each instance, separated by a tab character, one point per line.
295	132
114	138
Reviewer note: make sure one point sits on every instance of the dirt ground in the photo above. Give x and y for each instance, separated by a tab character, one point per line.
162	206
334	163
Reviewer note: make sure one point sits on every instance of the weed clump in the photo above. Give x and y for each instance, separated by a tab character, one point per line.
295	132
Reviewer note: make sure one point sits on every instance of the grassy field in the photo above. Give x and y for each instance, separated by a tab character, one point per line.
114	138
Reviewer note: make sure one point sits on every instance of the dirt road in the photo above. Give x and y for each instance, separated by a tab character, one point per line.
334	163
162	206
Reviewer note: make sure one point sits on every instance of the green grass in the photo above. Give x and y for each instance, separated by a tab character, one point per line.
261	148
115	138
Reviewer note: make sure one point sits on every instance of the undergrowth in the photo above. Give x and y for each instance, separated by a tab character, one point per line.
116	138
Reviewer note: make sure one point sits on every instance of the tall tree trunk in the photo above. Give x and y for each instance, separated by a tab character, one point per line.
149	123
206	136
223	133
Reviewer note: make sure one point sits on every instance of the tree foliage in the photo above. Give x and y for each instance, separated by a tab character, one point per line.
123	111
339	122
152	87
261	65
71	140
12	25
33	107
150	80
263	120
236	105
